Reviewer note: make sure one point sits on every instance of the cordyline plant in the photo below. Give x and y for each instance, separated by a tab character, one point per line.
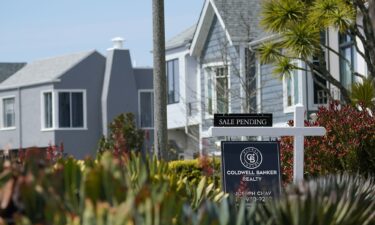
349	144
299	25
124	136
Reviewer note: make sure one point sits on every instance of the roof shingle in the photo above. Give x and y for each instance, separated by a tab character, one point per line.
46	70
181	39
8	69
241	18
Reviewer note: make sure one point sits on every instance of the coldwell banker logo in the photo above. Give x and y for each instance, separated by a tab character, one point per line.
251	158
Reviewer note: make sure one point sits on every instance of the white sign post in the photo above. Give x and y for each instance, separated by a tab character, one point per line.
299	131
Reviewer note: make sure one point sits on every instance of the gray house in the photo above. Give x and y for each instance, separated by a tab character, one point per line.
71	99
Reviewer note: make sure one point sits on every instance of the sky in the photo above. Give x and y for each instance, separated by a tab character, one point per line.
37	29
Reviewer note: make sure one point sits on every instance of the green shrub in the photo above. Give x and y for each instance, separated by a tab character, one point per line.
194	169
144	191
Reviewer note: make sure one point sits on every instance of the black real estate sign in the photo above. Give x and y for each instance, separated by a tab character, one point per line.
251	170
243	120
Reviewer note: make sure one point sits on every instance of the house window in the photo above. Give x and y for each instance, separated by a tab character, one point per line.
9	114
250	81
320	94
291	92
47	104
218	90
319	83
146	108
71	109
173	81
347	60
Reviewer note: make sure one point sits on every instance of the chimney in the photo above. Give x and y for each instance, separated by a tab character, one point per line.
117	43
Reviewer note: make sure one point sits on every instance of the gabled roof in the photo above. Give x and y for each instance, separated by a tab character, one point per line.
181	39
8	69
238	18
44	71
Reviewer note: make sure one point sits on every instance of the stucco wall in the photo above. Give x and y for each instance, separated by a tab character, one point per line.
86	75
9	139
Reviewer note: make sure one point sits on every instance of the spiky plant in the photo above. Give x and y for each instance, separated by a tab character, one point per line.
363	93
298	26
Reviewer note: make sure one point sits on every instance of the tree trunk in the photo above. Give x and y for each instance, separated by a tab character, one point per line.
371	9
160	87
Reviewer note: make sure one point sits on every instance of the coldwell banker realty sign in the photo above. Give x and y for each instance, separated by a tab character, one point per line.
251	170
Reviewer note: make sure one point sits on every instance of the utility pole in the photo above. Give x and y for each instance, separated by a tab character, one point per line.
160	87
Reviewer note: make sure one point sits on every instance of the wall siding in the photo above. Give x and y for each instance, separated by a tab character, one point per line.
9	139
218	50
272	95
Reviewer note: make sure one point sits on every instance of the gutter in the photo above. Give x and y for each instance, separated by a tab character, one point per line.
28	85
271	37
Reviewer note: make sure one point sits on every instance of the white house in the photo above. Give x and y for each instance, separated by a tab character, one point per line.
217	73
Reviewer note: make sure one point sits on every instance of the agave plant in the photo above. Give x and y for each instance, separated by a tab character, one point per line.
342	199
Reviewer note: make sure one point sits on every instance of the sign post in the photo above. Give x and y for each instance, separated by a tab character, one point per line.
299	131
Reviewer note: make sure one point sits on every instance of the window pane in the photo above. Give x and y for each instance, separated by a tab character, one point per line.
345	66
347	51
146	105
176	80
47	110
222	90
320	95
170	82
295	86
289	91
77	109
9	112
64	109
209	94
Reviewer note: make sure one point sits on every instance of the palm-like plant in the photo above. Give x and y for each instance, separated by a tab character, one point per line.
363	93
299	25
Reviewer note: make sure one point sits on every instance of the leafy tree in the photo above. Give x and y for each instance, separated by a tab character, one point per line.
298	24
363	93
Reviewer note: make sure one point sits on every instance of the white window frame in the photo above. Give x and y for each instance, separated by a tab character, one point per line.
139	107
55	109
2	112
174	81
298	73
209	71
42	114
310	83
